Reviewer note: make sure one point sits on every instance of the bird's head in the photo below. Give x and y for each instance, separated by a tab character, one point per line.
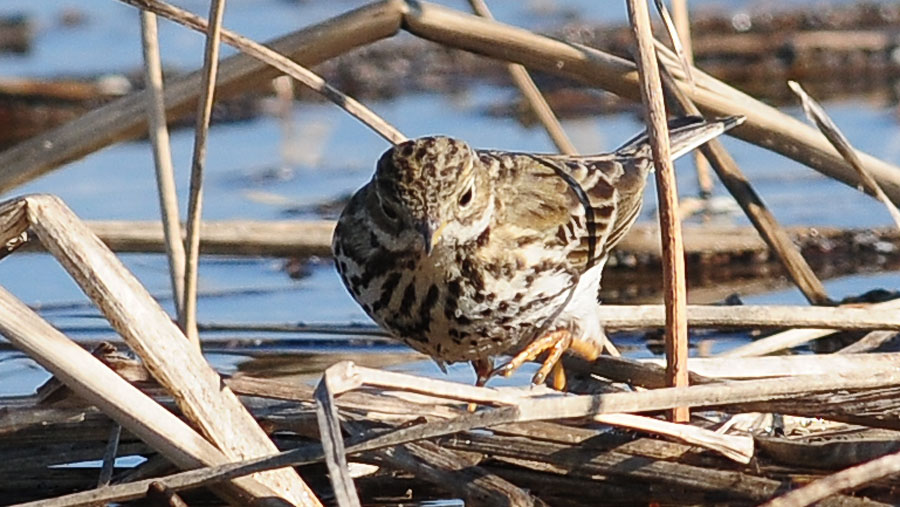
434	187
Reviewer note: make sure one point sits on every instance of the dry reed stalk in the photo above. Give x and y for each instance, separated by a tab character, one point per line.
746	368
122	119
677	41
674	280
291	238
734	447
109	456
765	126
762	219
870	341
849	478
621	317
333	440
304	455
570	406
820	118
148	330
532	94
162	159
875	316
125	118
239	237
682	21
795	337
100	386
285	65
346	376
188	320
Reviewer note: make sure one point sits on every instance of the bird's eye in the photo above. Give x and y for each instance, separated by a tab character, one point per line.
388	211
466	198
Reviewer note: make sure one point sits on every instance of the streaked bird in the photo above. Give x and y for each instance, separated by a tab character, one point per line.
467	254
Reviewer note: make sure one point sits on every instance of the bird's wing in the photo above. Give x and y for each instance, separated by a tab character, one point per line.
610	193
581	206
573	206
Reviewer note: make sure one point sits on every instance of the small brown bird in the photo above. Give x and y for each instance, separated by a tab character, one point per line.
467	254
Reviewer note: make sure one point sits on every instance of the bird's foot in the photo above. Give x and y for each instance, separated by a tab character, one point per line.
555	343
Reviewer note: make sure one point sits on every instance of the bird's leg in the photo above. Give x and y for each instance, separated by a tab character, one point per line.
587	349
555	344
591	350
537	347
558	376
554	353
484	370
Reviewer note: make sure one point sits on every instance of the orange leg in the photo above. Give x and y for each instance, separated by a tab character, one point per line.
589	349
559	377
554	353
534	349
554	343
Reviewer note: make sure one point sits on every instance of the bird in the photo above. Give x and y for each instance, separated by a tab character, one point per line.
468	254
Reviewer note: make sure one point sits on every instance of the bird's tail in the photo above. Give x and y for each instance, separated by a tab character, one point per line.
685	134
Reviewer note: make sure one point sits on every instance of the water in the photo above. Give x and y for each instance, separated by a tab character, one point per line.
248	179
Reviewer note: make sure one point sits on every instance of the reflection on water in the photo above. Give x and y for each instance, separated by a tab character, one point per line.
247	179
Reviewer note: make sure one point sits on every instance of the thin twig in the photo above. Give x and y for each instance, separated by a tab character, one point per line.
159	494
677	41
125	118
162	158
150	332
333	441
869	317
99	385
674	292
195	202
762	219
795	337
682	20
817	115
532	94
304	455
848	478
280	62
109	456
735	447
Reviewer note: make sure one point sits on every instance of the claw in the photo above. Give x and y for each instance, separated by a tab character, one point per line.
534	349
559	377
555	343
484	370
555	352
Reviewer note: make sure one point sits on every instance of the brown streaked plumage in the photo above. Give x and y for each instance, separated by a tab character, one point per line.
467	254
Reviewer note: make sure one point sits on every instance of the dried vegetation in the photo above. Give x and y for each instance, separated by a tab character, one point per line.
787	430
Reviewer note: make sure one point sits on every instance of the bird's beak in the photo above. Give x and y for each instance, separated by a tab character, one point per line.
431	232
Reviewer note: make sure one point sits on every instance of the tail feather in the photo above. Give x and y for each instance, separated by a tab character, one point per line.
685	134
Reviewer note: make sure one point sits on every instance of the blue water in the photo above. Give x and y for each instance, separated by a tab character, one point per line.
249	178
